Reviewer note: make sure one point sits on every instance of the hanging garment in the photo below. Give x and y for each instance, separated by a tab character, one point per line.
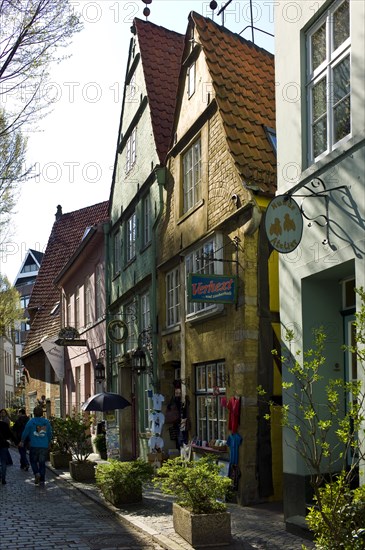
234	408
233	442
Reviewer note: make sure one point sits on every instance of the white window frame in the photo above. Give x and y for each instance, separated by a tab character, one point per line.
192	175
211	420
145	309
87	301
131	151
173	297
77	308
99	291
204	259
191	76
147	219
117	252
326	70
131	237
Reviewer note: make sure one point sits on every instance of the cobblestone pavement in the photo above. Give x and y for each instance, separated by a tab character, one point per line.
59	516
258	527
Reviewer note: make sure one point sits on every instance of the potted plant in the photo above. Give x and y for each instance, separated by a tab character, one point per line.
100	445
60	454
121	482
200	513
79	441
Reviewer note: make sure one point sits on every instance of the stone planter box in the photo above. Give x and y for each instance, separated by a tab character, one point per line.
82	471
119	498
202	530
60	461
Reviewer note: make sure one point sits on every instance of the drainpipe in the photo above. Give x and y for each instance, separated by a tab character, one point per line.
160	172
108	366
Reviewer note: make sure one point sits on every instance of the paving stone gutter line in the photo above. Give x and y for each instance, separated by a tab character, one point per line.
253	528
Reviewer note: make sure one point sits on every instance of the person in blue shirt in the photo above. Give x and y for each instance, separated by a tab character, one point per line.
38	432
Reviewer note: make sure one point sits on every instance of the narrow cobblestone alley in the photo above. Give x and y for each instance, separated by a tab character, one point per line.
58	516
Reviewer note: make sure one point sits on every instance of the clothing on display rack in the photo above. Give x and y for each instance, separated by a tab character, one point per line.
157	400
234	408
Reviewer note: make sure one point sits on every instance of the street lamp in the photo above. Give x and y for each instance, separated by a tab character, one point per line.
139	361
99	372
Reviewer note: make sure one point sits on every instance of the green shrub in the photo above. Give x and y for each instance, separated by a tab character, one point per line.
77	428
198	485
117	476
340	524
60	440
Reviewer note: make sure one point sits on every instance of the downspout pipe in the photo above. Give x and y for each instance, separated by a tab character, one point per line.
108	365
160	172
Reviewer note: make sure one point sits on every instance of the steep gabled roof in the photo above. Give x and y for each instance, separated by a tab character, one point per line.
161	53
31	257
66	235
244	83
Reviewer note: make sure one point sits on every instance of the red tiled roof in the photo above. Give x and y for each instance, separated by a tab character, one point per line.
161	53
66	235
244	83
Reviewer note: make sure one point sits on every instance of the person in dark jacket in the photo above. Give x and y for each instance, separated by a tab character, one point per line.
5	435
18	429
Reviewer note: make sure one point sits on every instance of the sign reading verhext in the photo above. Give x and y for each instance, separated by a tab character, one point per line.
284	224
213	289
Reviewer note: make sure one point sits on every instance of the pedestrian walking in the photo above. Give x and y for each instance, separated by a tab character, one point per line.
4	417
5	435
39	432
18	429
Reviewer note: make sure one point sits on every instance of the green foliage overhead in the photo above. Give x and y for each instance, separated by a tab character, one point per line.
10	307
198	485
31	35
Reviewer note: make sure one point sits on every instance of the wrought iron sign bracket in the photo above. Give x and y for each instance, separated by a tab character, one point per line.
317	189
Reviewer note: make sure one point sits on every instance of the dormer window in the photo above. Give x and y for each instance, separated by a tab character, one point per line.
191	79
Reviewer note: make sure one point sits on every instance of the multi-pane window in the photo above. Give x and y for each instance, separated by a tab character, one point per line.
99	297
210	388
203	260
68	310
173	297
129	311
87	302
131	236
131	150
329	79
117	252
191	79
145	311
24	301
77	308
192	175
146	208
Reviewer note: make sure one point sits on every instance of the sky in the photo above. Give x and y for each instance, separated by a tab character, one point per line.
73	148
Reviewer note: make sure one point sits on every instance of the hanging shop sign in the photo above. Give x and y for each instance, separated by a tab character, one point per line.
117	331
213	289
284	224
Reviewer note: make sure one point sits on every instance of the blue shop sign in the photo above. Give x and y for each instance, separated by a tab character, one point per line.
213	289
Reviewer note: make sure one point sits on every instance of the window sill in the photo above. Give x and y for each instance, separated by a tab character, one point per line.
171	330
203	315
191	211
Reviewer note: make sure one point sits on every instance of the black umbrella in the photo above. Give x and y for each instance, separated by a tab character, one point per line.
106	401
